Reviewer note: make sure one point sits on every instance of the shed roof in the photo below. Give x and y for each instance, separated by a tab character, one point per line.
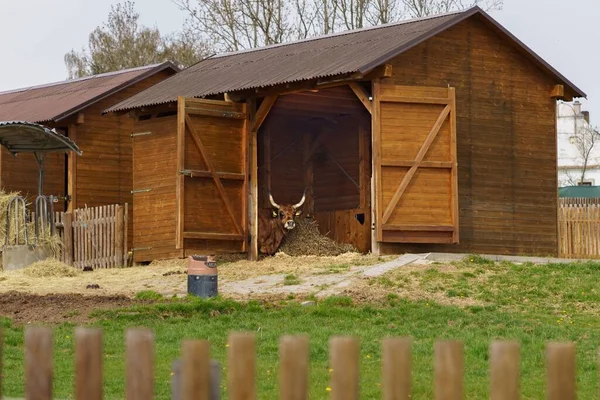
28	137
58	100
356	51
579	191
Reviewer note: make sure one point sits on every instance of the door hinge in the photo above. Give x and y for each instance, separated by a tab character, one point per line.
185	172
140	248
140	190
141	134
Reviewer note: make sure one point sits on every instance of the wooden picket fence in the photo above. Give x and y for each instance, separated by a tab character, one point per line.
195	380
94	237
579	230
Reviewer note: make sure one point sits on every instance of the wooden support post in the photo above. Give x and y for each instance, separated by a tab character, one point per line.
38	363
252	171
362	95
309	206
180	178
139	364
363	166
375	171
88	364
72	171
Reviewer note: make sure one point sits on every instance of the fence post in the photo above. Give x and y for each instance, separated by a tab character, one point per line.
119	227
195	376
396	368
293	367
68	237
38	363
139	365
215	380
241	361
1	359
504	370
560	375
344	353
88	364
448	370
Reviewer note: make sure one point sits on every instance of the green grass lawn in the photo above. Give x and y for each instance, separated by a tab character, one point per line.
532	304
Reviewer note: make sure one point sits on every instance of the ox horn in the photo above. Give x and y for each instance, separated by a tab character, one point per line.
298	205
275	205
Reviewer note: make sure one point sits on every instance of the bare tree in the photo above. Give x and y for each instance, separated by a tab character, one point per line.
234	25
122	42
585	140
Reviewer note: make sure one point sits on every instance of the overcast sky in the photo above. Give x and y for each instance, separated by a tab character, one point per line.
35	35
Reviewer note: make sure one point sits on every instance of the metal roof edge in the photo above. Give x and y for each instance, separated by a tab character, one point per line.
475	10
158	68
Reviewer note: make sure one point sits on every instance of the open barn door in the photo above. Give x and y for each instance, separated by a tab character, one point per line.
414	131
212	181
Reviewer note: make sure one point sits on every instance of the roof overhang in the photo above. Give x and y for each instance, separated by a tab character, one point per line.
28	137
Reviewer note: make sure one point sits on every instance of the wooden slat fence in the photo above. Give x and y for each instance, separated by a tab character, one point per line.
579	230
195	380
578	201
94	236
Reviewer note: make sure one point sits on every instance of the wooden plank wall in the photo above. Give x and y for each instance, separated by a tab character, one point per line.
154	168
506	140
104	171
20	174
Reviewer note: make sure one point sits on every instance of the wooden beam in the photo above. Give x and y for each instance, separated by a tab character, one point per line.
382	71
262	112
194	173
253	166
361	94
195	110
363	166
308	173
80	118
416	228
376	193
180	179
72	171
424	164
454	155
558	92
245	199
227	97
213	236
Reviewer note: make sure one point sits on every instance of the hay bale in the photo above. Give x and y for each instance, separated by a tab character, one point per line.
306	240
50	267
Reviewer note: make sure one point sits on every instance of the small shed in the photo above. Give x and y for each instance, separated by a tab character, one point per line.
102	174
433	134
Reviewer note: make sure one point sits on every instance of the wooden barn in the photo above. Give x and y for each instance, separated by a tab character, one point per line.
429	135
102	174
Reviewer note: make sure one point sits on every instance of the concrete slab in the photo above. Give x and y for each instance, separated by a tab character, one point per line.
401	261
18	257
446	257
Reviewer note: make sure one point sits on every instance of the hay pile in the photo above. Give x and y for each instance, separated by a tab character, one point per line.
50	267
306	240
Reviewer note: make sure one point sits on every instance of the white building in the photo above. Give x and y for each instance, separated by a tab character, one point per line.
578	146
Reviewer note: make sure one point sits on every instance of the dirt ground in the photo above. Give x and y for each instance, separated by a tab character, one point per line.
24	308
61	293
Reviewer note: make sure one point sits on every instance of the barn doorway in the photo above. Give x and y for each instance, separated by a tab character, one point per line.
320	141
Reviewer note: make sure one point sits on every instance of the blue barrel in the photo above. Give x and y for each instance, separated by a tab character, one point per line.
203	278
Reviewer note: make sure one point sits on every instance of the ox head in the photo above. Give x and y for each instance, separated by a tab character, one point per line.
287	212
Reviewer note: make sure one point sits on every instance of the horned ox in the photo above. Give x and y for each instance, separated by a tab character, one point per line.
275	224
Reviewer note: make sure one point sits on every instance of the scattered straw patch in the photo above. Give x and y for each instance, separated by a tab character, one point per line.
305	239
50	267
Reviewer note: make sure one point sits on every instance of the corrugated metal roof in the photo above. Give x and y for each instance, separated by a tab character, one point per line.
343	53
28	137
55	101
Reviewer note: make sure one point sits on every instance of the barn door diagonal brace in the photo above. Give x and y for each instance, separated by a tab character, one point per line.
416	163
220	188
